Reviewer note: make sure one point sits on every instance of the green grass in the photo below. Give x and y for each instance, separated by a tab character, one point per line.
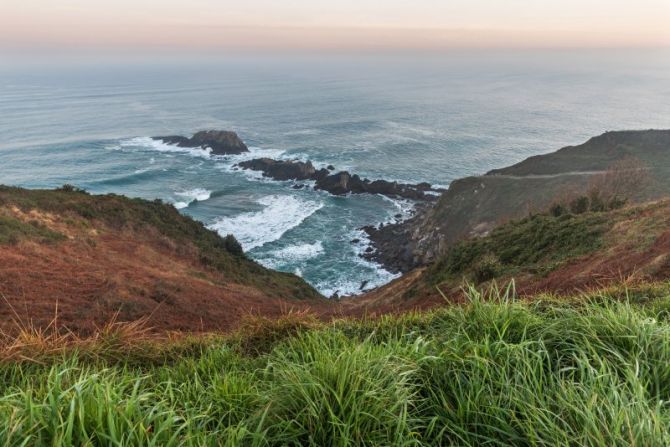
536	244
13	230
496	371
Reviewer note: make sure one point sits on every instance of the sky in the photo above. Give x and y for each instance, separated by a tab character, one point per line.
96	25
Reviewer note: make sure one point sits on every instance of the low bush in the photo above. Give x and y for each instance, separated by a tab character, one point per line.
536	243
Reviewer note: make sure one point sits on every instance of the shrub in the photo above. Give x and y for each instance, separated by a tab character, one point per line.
597	202
616	203
232	246
579	205
71	189
557	210
488	268
540	241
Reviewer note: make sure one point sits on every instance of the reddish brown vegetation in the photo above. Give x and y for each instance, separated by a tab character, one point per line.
97	273
87	279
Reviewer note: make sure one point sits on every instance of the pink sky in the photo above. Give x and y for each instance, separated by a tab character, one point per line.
365	24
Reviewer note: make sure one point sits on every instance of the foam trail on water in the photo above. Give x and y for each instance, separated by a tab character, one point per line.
292	254
192	195
279	215
156	145
404	207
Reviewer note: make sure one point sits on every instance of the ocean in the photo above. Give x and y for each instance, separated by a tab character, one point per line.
410	117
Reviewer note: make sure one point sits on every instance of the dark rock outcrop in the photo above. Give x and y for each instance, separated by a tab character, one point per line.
221	142
344	183
281	169
394	244
339	183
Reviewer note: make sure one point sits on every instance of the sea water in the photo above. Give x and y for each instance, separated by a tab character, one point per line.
411	117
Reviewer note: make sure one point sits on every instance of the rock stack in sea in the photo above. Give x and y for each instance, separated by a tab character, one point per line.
220	142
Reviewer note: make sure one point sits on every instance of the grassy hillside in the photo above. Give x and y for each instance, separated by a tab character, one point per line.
83	258
543	252
598	153
475	205
589	371
536	244
582	248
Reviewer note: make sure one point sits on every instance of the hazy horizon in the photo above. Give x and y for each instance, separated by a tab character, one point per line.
84	27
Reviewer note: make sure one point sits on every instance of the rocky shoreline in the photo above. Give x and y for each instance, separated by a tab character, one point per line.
393	244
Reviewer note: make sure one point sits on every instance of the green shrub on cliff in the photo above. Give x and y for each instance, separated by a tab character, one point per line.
537	243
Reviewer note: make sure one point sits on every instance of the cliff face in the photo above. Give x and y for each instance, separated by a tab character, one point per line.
473	206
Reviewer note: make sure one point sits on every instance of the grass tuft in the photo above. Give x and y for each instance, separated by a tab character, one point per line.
590	370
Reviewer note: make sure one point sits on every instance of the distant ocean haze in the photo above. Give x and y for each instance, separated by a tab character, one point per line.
412	118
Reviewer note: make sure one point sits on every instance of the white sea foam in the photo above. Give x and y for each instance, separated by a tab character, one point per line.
347	287
279	215
440	186
192	195
404	207
302	132
227	162
373	274
156	145
292	254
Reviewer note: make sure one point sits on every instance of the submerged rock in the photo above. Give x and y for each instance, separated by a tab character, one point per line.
221	142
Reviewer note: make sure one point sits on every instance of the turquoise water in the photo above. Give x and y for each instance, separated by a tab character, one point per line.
408	117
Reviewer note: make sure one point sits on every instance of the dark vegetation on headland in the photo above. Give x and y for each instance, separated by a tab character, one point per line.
573	352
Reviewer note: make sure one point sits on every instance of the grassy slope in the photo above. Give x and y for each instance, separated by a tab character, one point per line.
598	153
474	205
83	258
542	253
629	241
592	371
119	212
537	244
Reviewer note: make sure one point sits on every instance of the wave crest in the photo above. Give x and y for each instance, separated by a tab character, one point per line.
279	215
192	195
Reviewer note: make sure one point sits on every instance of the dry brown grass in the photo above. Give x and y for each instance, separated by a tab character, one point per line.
258	334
